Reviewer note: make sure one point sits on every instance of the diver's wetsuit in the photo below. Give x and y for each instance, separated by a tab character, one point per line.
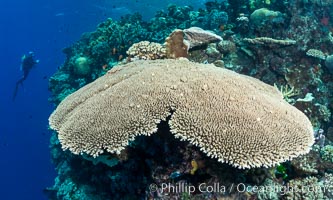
27	63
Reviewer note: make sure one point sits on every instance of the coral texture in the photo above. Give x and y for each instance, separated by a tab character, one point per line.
81	66
269	41
146	50
196	36
234	118
316	53
175	45
179	42
226	46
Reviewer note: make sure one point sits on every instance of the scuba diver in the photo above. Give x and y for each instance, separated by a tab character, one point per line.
27	63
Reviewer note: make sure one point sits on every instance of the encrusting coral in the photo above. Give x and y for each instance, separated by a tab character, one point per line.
235	118
175	45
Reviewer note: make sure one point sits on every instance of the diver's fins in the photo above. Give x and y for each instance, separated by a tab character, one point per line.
16	88
15	92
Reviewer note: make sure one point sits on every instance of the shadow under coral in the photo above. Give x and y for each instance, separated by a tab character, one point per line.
159	159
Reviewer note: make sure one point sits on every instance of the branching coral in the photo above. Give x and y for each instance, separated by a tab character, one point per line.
327	153
269	41
287	92
306	189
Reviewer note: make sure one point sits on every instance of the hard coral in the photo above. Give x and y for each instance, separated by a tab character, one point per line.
180	42
234	118
175	45
81	66
196	36
316	54
146	50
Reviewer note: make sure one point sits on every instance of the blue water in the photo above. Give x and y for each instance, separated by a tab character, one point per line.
44	27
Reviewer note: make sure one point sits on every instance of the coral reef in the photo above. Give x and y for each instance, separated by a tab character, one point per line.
288	44
327	153
226	47
307	188
264	20
215	19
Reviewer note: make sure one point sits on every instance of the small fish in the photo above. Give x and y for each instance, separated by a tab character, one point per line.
195	167
104	67
120	57
175	174
114	50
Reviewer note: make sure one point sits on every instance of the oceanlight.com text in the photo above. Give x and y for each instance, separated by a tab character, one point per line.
184	187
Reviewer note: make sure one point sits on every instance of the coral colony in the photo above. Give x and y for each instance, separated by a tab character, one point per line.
232	101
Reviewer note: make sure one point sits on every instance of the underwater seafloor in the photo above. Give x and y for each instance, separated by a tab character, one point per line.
286	44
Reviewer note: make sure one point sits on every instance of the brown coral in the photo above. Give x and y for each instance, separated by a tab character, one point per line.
234	118
175	45
180	41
